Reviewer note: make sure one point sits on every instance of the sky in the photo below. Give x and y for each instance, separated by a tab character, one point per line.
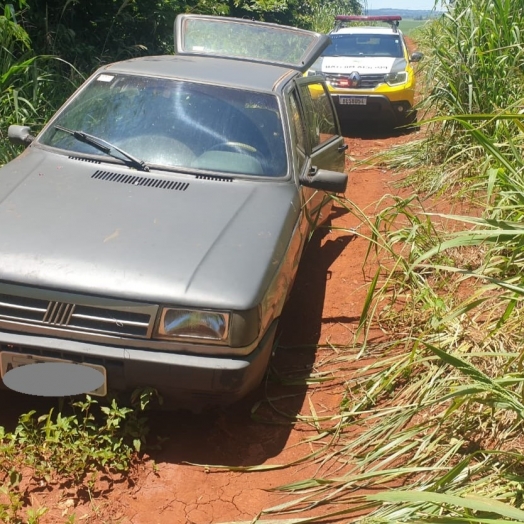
401	4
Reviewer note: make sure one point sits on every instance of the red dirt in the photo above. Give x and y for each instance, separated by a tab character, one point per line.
324	309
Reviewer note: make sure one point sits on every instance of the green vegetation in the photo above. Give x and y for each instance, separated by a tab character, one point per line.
28	93
322	13
475	66
409	27
89	34
76	446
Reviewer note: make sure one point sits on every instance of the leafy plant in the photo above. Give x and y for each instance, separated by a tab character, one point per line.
475	58
28	83
323	12
433	425
91	438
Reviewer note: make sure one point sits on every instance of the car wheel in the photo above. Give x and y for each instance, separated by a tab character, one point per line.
408	123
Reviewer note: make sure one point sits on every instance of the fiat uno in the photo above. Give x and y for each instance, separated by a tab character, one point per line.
369	70
152	230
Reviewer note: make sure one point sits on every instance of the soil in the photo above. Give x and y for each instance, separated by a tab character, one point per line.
179	483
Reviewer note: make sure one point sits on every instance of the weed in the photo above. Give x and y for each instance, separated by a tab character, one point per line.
70	446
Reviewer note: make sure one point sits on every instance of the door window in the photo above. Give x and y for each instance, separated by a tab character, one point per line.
319	113
298	130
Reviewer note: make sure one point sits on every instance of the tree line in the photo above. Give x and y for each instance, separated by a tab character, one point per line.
49	47
88	33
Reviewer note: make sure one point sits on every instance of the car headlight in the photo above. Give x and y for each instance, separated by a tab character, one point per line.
396	78
194	324
236	329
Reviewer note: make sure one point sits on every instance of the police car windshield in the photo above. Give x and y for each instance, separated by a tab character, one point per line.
365	45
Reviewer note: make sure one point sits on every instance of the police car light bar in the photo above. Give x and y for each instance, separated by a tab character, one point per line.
363	18
392	20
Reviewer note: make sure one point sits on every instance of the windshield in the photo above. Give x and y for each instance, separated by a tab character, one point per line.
365	45
174	124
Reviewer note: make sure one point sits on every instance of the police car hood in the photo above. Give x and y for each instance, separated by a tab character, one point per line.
364	65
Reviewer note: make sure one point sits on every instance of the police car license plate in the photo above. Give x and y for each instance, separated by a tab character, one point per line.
353	100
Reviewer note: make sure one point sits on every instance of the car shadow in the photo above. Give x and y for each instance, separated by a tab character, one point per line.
374	130
16	404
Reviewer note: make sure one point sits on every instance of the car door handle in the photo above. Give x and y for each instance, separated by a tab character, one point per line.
343	147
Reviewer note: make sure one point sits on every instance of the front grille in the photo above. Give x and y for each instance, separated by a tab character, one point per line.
366	81
76	317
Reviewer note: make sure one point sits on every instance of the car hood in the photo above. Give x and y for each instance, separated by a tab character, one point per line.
76	226
363	65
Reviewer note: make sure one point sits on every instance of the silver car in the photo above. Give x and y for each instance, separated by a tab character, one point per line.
153	229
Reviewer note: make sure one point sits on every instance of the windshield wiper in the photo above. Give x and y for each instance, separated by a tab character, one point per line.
105	147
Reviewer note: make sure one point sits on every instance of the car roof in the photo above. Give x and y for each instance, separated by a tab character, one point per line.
378	30
210	70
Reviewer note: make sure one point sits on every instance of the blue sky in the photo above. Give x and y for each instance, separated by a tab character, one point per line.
400	4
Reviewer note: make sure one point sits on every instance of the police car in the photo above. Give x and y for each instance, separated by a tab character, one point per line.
369	70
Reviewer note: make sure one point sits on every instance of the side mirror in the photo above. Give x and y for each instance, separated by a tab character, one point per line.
417	56
325	180
20	135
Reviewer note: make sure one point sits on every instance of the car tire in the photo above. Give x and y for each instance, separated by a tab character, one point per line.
408	123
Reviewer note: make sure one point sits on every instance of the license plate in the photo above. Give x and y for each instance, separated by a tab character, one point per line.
9	361
353	100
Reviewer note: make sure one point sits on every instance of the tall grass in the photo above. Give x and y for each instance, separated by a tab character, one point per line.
477	56
470	439
432	427
323	12
475	65
31	89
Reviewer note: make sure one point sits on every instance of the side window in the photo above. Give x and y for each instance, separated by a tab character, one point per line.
320	117
298	129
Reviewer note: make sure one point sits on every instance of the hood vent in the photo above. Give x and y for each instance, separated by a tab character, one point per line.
215	178
135	180
80	159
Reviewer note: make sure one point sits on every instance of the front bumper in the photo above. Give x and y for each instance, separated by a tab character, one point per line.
184	381
376	108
